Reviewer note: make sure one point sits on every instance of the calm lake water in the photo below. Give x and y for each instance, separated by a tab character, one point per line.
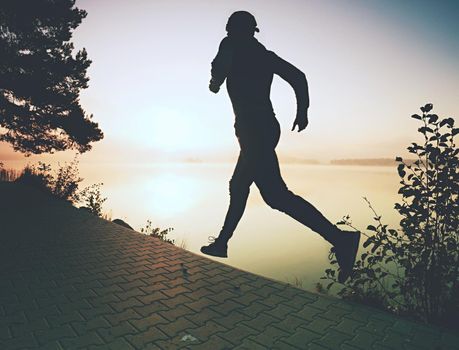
193	199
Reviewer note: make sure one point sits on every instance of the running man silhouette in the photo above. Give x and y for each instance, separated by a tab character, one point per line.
248	68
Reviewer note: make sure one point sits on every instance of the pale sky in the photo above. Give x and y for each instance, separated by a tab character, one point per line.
369	64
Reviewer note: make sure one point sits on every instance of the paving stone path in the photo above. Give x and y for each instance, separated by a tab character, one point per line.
70	280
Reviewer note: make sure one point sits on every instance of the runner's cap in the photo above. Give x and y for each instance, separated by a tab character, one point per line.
241	21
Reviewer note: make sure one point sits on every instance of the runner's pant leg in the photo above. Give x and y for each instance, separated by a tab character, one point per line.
239	187
276	194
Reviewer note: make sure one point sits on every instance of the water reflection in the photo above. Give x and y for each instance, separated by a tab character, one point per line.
193	198
170	194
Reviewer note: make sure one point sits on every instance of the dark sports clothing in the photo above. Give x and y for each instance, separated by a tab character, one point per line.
248	69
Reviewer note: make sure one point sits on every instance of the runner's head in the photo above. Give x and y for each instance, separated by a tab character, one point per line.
242	23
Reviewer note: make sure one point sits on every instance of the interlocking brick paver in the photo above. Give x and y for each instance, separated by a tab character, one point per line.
120	330
301	338
143	323
269	336
201	304
53	334
151	297
254	309
280	311
108	290
320	325
202	317
308	313
230	320
118	344
74	306
74	280
178	301
18	329
104	309
347	326
363	340
333	339
119	317
146	310
260	322
126	304
247	299
290	323
175	313
218	287
334	313
265	292
248	344
174	328
238	333
360	314
150	335
198	293
90	338
103	299
60	320
281	345
13	308
38	314
316	346
97	322
227	307
215	343
26	341
134	292
204	332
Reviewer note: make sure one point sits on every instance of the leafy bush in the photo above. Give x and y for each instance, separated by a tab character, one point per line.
157	232
64	184
414	270
37	176
92	198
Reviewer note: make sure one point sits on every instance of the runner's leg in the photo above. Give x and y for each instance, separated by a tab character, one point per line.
239	187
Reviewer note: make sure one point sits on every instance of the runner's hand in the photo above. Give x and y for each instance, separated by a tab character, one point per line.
301	121
214	87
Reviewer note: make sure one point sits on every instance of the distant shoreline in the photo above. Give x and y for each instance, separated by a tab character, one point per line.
365	161
349	161
283	160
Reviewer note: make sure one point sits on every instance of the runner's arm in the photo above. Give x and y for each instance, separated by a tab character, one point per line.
296	78
221	65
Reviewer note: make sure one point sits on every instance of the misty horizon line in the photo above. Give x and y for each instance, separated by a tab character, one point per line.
383	161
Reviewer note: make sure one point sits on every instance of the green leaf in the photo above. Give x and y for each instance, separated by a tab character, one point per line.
401	171
367	242
427	108
443	122
425	129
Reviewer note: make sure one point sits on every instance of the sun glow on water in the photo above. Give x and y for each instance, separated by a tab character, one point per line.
170	194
